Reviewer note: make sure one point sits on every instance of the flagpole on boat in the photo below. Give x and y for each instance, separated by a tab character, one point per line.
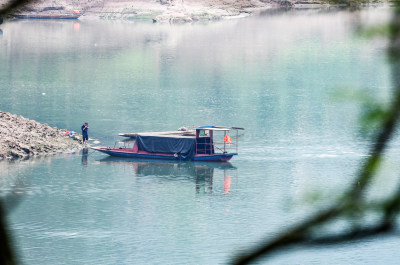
224	142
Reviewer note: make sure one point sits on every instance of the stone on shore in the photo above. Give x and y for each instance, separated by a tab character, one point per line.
21	138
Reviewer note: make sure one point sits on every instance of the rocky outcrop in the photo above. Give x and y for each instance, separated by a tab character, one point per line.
172	11
21	137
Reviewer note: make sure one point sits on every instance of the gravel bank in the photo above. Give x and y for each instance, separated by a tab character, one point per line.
22	138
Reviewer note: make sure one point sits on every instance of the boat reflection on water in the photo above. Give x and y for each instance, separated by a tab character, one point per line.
207	176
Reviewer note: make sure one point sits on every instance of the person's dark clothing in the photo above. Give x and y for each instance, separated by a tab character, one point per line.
85	136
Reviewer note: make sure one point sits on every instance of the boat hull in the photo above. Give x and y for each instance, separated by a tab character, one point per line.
130	153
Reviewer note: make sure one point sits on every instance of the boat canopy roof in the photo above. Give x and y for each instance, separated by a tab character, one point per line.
218	128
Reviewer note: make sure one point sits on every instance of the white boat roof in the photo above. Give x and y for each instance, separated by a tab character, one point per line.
218	128
166	135
187	133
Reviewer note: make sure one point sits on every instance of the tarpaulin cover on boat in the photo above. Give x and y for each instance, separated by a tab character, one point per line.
185	147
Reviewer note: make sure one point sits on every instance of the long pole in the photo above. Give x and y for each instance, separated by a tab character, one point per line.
224	142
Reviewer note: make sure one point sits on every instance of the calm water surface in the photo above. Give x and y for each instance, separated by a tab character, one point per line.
276	75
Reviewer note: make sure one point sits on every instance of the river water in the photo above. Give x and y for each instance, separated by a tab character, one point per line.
294	80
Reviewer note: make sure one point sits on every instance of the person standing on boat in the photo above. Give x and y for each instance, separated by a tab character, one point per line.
85	135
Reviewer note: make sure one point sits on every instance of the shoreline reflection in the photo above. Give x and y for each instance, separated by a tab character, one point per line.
202	173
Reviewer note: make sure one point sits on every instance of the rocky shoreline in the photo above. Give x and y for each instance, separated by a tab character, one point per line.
23	138
160	11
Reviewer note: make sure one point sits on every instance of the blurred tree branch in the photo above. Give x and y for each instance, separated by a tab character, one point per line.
6	252
352	201
11	6
7	255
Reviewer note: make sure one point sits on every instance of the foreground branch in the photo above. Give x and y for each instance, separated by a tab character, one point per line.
14	5
302	233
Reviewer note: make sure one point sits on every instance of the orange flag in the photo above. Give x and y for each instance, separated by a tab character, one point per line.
227	139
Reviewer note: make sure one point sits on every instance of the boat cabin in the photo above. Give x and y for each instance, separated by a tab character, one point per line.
216	139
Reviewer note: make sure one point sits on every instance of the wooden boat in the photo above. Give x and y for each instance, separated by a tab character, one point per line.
209	143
